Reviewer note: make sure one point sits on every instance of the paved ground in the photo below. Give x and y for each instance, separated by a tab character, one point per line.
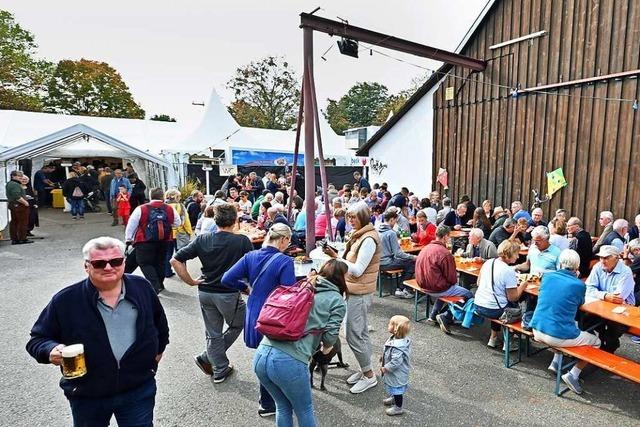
455	380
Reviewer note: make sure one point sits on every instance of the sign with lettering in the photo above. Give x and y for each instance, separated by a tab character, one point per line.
227	170
448	94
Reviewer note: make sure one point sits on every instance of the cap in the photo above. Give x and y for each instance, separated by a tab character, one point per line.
608	250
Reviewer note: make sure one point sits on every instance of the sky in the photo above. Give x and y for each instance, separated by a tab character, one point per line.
172	53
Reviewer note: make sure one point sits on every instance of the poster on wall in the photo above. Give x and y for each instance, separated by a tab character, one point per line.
225	170
263	158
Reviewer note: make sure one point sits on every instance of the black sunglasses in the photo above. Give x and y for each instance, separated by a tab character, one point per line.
102	263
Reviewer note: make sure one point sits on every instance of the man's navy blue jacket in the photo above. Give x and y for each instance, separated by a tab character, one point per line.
72	317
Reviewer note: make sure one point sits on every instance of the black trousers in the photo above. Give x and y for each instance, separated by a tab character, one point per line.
608	332
150	257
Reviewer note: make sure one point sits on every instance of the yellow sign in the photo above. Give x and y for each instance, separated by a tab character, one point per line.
555	181
448	94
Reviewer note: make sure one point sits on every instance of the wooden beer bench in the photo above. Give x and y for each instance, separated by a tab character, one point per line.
419	294
392	275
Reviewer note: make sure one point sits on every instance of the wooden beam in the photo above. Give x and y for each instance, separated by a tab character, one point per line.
343	29
588	80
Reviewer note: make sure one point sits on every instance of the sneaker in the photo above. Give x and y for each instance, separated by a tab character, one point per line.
572	382
113	224
442	322
81	217
493	342
398	293
364	384
388	401
370	328
553	367
407	294
264	413
73	217
354	378
223	375
432	322
394	410
204	366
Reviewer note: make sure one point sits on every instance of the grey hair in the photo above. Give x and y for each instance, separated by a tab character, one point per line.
569	260
537	210
607	214
476	232
101	243
620	224
634	244
509	222
541	231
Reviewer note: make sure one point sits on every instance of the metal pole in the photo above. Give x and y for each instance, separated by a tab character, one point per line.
309	172
323	171
294	170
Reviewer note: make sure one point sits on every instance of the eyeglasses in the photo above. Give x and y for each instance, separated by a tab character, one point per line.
102	263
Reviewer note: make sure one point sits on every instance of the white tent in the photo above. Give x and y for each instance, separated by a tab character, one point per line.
76	142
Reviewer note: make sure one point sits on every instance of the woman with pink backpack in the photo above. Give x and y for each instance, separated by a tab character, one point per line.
283	366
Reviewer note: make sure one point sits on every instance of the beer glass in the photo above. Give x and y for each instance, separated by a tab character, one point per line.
73	365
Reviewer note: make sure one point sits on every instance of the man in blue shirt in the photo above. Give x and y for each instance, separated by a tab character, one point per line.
610	280
542	256
43	185
361	181
518	212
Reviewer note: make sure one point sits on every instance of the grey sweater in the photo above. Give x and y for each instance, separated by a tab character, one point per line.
395	358
390	247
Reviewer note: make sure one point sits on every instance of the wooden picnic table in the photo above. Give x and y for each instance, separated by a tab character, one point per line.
413	249
471	268
457	234
252	232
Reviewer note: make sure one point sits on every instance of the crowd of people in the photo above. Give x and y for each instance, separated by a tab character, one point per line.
166	233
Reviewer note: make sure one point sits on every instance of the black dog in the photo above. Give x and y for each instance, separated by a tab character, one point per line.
324	361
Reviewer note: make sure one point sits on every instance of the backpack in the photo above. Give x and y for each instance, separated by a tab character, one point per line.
77	192
158	227
285	313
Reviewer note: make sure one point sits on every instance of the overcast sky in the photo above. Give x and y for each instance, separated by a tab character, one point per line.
171	53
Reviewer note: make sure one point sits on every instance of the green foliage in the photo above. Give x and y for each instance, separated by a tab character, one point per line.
358	107
90	88
162	118
22	77
189	186
267	94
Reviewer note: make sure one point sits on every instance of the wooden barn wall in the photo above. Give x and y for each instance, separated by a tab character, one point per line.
498	147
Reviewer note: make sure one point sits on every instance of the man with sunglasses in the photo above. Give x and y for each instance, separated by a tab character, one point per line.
120	321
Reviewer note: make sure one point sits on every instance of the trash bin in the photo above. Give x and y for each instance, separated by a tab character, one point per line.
58	198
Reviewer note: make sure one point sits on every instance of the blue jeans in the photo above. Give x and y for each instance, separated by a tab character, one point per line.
77	206
453	291
287	380
133	408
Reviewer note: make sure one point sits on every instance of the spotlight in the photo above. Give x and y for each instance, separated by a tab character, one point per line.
348	47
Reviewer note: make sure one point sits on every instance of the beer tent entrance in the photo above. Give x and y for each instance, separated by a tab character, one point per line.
75	143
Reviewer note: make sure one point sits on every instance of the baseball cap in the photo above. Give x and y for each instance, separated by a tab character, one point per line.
608	250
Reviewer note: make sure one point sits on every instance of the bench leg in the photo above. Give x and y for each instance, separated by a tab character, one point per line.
416	304
561	368
507	345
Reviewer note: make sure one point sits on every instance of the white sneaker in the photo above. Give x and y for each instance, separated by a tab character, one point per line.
398	292
406	294
364	384
354	378
493	342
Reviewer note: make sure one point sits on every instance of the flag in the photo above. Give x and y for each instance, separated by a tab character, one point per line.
555	181
443	178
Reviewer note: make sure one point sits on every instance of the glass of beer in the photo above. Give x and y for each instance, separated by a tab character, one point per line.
73	365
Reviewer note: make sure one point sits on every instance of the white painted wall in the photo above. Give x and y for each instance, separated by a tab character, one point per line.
407	150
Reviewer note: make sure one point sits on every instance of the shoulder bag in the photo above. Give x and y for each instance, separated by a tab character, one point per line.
510	314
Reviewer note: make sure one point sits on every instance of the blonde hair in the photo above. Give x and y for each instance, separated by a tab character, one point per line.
401	326
278	231
172	195
508	249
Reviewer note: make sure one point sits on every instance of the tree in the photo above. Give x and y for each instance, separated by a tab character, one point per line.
358	107
90	88
22	77
267	94
162	118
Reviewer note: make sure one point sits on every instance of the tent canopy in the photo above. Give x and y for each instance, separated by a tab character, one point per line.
77	141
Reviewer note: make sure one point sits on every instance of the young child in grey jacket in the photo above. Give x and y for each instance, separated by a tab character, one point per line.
395	364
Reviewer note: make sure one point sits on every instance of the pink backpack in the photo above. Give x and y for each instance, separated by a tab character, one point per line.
285	313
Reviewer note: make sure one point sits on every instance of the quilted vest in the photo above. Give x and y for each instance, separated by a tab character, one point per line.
366	283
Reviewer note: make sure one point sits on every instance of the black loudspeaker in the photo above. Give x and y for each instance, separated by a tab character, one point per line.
348	47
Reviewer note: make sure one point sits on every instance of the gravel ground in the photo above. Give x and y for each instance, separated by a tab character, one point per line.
456	380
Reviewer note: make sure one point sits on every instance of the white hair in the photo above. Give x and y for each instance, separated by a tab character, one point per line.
634	244
101	243
541	231
569	260
607	214
476	232
620	224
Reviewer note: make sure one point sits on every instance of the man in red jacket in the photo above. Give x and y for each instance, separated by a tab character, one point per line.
436	274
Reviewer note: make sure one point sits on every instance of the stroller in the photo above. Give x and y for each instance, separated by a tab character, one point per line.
91	202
